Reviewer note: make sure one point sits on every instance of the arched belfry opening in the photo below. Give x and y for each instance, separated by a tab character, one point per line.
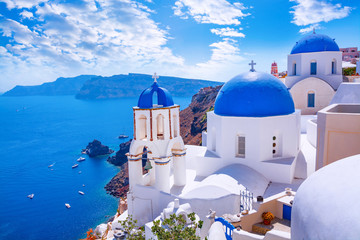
176	127
160	127
142	127
155	99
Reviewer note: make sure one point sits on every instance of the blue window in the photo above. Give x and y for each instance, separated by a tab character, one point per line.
333	69
311	99
313	68
294	69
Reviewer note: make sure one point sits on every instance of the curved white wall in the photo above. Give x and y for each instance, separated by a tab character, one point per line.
323	95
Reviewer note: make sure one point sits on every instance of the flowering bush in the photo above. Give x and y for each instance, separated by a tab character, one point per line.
268	216
90	235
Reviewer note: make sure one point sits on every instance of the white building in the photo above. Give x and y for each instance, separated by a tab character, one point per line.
314	72
255	124
253	144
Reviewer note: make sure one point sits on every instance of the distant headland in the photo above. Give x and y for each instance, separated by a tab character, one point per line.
117	86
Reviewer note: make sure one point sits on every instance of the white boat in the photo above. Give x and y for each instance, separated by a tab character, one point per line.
81	193
79	172
31	196
75	165
67	205
51	165
122	136
83	185
80	159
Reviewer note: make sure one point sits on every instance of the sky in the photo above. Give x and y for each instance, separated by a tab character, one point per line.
42	40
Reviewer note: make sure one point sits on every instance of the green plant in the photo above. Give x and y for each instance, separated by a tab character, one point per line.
134	232
349	71
204	118
175	228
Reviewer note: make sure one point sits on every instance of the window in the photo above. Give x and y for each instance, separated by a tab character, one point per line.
294	69
311	99
241	147
333	67
160	127
313	68
142	127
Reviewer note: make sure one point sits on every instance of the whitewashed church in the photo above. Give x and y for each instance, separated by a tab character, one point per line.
252	144
314	72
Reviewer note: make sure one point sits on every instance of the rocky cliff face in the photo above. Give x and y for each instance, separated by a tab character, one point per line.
193	118
192	123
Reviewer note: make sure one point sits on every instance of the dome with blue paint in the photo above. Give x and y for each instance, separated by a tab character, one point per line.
315	43
146	98
254	94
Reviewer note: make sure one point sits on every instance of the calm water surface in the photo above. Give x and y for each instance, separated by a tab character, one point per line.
38	131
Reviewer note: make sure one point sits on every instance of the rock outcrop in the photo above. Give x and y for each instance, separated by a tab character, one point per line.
95	149
119	185
192	123
120	158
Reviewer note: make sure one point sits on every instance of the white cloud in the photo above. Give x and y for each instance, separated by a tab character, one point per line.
227	32
78	38
219	12
26	14
10	4
310	28
308	12
224	63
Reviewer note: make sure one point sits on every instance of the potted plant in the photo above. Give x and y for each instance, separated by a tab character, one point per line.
267	217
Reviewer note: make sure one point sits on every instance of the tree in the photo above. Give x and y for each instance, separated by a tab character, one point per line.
175	228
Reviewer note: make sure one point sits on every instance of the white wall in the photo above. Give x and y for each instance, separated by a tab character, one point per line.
259	134
323	95
312	131
323	60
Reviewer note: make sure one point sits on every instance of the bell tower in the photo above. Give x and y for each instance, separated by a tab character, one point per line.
157	129
274	69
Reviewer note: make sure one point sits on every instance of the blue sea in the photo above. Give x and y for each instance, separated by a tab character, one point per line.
38	131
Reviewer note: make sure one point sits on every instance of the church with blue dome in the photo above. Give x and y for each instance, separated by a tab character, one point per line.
314	69
255	123
252	139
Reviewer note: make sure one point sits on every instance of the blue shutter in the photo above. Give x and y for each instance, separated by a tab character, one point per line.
311	99
313	68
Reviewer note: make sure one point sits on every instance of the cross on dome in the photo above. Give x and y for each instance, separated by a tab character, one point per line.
252	66
155	77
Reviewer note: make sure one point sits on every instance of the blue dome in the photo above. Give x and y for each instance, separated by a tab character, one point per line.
315	43
163	96
254	94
